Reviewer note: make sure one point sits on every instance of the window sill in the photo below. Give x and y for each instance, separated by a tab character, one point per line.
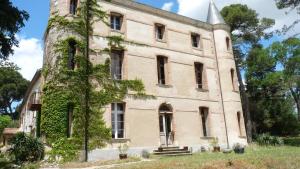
120	140
235	91
207	138
202	90
161	40
164	85
243	137
117	31
197	48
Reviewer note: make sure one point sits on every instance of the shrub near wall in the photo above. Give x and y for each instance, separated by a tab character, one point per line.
292	141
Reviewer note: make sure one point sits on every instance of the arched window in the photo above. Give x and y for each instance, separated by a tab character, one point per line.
239	122
204	113
73	7
72	52
232	78
228	43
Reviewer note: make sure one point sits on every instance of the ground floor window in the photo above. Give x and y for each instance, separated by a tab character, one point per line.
117	120
204	119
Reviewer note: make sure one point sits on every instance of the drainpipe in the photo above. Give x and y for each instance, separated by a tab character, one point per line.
221	91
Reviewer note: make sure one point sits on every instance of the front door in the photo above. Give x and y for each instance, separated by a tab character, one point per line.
165	127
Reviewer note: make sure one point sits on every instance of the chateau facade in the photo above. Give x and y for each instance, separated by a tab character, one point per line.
188	65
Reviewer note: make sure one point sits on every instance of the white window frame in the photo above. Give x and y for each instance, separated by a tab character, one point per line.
117	64
113	21
114	115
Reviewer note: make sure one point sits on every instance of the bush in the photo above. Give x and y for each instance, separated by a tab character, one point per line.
292	141
268	140
4	122
64	150
26	148
145	154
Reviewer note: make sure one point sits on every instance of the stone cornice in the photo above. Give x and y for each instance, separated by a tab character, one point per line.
158	12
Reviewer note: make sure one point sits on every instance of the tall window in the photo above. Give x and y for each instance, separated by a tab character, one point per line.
228	43
195	40
73	7
239	122
204	120
160	31
116	64
161	69
72	52
199	75
232	78
116	21
70	120
117	120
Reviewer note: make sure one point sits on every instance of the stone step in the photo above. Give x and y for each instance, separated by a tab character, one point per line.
174	155
171	152
167	150
172	147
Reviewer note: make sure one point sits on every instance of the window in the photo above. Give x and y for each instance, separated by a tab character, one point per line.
117	120
116	64
199	75
72	52
195	40
73	7
116	21
70	120
239	122
204	120
161	69
228	43
160	31
232	78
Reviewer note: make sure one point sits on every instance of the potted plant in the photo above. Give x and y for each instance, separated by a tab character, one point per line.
215	144
123	151
238	148
185	148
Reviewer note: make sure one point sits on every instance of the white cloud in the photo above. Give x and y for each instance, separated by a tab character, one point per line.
265	8
168	6
28	56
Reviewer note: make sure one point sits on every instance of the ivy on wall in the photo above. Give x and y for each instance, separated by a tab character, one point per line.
64	86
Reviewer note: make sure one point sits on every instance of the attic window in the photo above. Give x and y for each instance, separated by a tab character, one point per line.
116	21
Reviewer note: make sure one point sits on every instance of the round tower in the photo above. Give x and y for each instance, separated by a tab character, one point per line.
228	83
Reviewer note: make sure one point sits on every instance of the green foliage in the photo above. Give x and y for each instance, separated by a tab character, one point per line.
291	141
145	154
268	140
12	88
4	122
11	21
26	148
64	150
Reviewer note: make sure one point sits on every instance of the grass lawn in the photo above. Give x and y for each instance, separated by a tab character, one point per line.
254	158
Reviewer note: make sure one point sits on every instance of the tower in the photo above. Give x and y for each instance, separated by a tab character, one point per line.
228	83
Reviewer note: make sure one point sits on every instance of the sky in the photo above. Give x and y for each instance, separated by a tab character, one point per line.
29	55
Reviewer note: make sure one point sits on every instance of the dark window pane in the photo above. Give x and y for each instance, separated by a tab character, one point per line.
161	125
161	70
199	74
120	107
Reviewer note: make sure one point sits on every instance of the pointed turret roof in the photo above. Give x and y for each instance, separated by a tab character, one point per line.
214	16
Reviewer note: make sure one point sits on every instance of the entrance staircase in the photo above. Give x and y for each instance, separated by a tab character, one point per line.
172	151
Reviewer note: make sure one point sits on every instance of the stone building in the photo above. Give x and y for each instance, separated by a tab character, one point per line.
186	63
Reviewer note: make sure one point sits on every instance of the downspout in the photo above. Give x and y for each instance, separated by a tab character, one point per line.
221	91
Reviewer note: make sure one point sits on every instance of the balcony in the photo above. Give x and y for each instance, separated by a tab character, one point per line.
35	101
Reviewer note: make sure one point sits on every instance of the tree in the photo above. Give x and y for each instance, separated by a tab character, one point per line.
4	122
246	30
291	5
288	55
11	21
271	108
12	89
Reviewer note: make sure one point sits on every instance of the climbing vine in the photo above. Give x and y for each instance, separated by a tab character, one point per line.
64	86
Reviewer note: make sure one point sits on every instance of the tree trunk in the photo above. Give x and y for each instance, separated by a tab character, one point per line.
297	101
245	105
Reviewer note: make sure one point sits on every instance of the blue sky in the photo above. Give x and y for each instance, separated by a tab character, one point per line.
39	12
29	55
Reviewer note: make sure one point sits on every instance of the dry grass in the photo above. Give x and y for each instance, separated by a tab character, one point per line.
254	158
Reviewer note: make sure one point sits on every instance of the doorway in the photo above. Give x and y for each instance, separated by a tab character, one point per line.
165	125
